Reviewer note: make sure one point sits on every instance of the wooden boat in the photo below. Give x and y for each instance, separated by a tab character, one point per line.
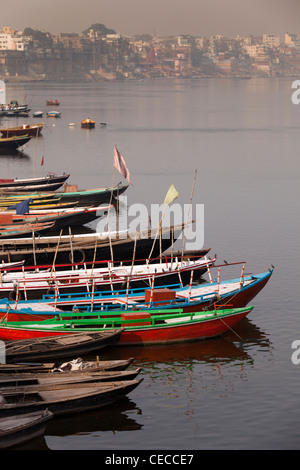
8	266
236	292
31	184
88	124
16	430
87	197
58	220
28	129
13	143
32	284
24	230
55	114
121	246
74	366
34	379
63	399
59	347
139	327
52	103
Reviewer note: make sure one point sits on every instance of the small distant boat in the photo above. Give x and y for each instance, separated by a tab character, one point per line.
38	114
14	142
88	123
32	129
53	114
14	109
52	103
16	430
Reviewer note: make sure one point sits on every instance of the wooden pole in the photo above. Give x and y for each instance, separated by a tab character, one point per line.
184	237
95	251
33	246
55	254
71	243
157	232
37	132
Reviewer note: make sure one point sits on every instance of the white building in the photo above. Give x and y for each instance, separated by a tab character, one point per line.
255	50
11	42
271	40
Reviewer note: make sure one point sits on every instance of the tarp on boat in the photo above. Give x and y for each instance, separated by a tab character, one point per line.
22	207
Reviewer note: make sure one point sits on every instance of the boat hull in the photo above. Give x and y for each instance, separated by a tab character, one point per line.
123	249
184	329
33	130
68	399
23	428
13	143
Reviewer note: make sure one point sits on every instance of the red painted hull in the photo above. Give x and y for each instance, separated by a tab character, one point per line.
180	334
17	316
238	300
145	336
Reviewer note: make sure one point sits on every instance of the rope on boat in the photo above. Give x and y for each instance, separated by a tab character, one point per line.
231	329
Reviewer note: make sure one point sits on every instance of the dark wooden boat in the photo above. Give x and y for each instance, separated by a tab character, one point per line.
29	129
16	430
33	380
44	183
54	348
119	247
62	399
13	143
74	366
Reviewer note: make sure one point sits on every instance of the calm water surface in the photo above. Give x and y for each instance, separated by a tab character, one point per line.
243	137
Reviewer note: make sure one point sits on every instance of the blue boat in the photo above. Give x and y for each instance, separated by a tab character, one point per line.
233	293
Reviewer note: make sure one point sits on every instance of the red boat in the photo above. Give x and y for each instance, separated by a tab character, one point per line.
140	328
52	103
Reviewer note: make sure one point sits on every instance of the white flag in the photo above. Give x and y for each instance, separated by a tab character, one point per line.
120	165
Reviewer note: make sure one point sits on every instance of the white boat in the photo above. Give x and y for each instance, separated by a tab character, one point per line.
32	284
53	114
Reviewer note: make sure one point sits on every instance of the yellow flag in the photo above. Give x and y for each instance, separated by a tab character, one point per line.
172	194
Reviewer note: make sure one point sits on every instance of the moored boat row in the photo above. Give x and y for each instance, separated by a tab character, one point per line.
77	293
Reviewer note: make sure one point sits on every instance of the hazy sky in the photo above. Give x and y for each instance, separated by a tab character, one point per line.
161	17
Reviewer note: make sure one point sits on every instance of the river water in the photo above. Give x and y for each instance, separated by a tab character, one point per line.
243	137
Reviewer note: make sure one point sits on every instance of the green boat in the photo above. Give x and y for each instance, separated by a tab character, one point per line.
86	197
161	326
